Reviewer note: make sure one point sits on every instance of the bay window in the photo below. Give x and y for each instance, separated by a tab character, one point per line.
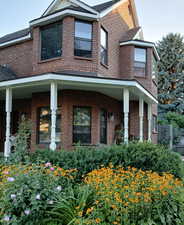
83	39
51	41
82	125
140	62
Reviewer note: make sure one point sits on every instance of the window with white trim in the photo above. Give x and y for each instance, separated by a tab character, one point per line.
140	60
104	46
83	39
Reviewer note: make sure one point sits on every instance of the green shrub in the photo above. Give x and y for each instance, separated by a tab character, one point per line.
146	156
26	192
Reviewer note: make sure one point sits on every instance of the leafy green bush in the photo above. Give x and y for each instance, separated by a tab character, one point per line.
26	192
146	156
72	207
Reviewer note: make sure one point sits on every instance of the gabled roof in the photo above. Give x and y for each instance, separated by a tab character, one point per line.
75	3
6	73
103	6
132	34
15	35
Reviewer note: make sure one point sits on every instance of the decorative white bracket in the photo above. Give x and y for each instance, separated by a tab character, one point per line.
141	119
126	114
7	144
53	107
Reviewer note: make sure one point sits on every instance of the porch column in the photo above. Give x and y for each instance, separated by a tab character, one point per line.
149	121
126	114
53	107
141	117
7	144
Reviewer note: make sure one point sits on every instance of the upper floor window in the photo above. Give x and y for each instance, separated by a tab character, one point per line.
140	62
83	39
104	47
154	68
51	41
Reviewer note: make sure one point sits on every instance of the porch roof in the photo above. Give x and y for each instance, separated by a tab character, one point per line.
108	86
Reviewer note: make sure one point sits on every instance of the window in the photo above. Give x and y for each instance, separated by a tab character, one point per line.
44	129
140	62
154	68
155	123
82	125
103	127
104	47
51	41
83	39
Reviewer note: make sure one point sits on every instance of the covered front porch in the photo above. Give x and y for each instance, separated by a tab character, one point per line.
67	110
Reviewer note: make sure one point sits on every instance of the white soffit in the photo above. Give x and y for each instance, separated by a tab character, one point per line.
76	79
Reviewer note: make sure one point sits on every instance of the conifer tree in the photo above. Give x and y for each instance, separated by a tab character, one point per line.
171	74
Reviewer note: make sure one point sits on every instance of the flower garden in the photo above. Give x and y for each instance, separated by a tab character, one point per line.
138	184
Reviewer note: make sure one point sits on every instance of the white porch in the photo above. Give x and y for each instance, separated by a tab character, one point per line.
121	90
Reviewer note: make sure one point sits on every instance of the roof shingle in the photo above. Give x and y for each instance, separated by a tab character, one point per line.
15	35
6	73
130	34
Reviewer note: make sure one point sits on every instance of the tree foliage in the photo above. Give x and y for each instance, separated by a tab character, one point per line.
171	74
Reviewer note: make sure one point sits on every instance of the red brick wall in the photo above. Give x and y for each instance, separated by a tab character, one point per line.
70	98
18	57
67	61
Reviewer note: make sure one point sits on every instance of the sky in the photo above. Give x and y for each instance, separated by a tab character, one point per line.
157	17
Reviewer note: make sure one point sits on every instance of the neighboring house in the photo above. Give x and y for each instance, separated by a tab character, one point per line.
81	74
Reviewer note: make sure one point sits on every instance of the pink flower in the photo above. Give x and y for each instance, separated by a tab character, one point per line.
27	212
59	188
13	196
52	168
6	172
48	164
6	218
10	179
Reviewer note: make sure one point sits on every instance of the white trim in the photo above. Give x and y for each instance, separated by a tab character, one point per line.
108	10
53	108
138	35
63	13
16	40
142	44
126	108
84	6
88	80
49	8
79	3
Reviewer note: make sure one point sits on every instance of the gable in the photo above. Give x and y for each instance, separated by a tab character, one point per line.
125	8
58	5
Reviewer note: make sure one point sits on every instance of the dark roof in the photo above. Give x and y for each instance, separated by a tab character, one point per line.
15	35
6	73
105	5
130	34
76	8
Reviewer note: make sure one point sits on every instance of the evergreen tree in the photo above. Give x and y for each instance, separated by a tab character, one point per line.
171	74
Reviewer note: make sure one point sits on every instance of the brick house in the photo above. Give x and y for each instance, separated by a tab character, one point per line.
81	74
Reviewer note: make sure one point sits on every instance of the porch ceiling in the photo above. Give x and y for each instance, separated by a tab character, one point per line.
25	87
